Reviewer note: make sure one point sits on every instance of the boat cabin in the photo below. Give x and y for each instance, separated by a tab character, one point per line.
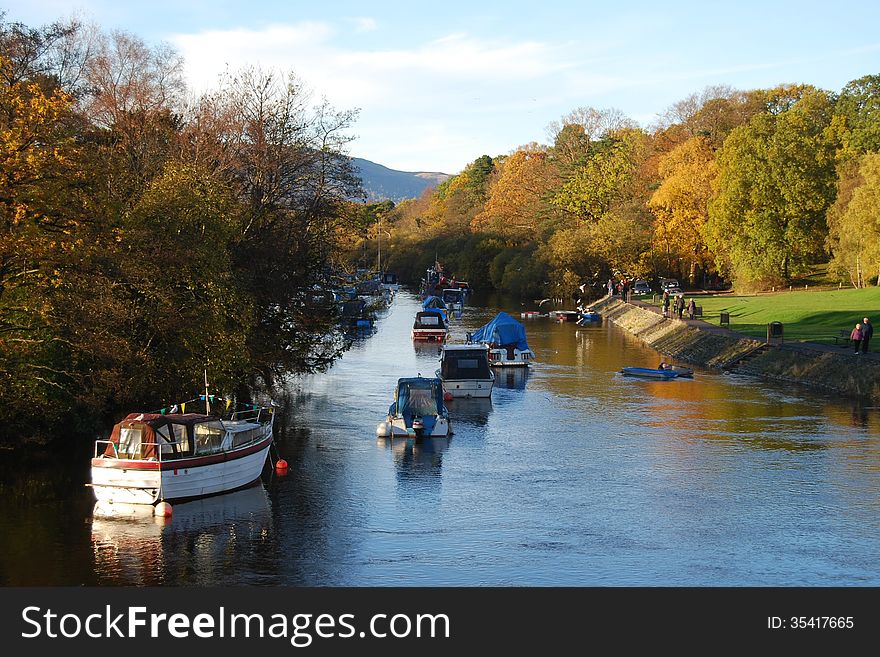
464	370
453	298
429	325
152	436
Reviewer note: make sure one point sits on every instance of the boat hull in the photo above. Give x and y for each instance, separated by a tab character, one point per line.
425	335
646	373
502	358
395	427
469	387
148	482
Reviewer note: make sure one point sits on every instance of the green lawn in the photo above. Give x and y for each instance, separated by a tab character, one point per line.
814	316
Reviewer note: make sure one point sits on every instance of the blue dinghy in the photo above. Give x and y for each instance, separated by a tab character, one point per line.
647	373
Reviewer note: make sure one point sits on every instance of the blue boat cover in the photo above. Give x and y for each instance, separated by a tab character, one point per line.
503	331
435	303
419	397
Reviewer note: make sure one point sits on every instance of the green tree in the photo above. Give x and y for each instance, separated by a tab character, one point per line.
854	224
859	104
776	180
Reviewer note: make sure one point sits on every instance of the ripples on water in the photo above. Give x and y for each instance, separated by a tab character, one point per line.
570	475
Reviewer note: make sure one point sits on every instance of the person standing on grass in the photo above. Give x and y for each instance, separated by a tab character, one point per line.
856	336
692	308
867	333
679	305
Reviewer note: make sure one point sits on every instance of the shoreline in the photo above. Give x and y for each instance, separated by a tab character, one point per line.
830	369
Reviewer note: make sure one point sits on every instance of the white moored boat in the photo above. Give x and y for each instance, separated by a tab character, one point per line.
464	370
164	456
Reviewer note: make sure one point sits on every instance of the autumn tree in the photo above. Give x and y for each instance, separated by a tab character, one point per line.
519	194
681	205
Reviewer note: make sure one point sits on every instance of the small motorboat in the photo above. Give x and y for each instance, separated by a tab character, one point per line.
429	325
464	370
664	373
453	299
648	373
588	316
567	315
418	410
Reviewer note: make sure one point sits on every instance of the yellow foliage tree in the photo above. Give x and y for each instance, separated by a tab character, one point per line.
680	205
518	195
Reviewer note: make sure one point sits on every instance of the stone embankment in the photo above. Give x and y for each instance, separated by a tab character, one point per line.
831	369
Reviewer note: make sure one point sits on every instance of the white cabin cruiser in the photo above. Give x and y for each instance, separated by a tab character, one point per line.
163	456
464	370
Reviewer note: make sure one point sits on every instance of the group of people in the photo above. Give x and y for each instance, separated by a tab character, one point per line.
622	287
861	336
678	305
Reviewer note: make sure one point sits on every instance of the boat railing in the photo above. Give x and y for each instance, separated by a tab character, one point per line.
157	449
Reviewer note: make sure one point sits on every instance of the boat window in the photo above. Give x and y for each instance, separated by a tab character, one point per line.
179	438
420	402
244	437
208	436
429	320
130	442
466	365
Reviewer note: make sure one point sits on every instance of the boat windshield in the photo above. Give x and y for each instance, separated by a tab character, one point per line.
418	398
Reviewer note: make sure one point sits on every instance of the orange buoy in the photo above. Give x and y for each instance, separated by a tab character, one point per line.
162	509
281	466
447	396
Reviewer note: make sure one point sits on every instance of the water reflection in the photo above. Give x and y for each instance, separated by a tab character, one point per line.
199	543
469	411
511	378
418	462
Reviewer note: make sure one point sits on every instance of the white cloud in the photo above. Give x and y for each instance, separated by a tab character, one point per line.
435	105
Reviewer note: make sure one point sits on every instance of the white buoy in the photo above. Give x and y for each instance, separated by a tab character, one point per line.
162	509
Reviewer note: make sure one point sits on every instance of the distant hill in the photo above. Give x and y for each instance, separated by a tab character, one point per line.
381	183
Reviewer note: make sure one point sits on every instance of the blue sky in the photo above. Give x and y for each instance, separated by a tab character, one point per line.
439	84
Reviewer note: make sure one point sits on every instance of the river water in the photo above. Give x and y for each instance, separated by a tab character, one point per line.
570	475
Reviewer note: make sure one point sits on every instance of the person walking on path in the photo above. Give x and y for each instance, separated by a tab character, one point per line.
665	303
692	308
867	333
856	336
610	288
679	305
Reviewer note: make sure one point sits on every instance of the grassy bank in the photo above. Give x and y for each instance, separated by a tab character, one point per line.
840	372
811	315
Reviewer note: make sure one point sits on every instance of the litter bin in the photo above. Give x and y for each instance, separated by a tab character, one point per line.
774	333
725	318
